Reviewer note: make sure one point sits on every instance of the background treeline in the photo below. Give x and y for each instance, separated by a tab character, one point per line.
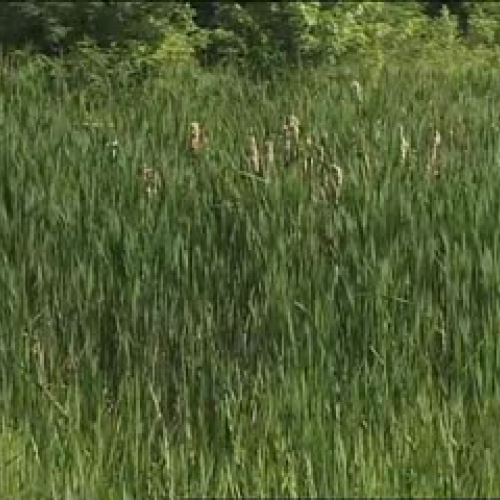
262	34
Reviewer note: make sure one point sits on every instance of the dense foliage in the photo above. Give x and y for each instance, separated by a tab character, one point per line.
263	34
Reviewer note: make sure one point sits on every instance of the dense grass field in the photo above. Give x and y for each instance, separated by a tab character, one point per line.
325	325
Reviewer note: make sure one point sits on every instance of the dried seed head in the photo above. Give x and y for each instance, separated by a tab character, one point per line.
327	189
254	154
309	157
339	176
291	130
269	154
197	137
294	126
151	180
405	144
437	139
195	127
114	145
432	166
332	184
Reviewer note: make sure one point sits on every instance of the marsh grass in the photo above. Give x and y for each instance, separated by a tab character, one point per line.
229	336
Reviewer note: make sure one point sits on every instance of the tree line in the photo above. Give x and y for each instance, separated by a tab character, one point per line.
267	33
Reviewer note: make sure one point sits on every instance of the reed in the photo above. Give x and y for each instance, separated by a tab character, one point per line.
328	334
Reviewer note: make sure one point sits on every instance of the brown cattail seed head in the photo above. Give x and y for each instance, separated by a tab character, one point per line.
269	154
294	127
405	144
151	180
309	160
432	167
197	137
339	177
254	154
335	181
291	131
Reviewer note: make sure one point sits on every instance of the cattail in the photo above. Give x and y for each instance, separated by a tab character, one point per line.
333	183
405	144
254	155
114	145
291	131
294	125
432	166
151	180
309	157
197	138
338	179
269	154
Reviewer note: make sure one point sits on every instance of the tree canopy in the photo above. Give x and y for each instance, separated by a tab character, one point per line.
265	33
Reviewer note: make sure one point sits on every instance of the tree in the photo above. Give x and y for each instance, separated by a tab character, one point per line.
51	26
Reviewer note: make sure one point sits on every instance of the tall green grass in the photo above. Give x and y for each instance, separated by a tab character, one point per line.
234	337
